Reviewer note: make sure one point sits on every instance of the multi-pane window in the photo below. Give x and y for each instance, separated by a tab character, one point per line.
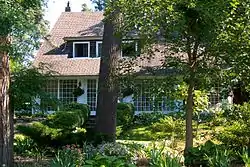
66	90
51	88
92	94
81	49
214	97
98	49
144	100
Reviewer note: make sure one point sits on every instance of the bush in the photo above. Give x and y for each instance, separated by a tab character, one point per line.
40	133
63	127
238	112
175	128
148	118
23	113
113	149
236	135
206	154
85	112
66	120
125	114
237	131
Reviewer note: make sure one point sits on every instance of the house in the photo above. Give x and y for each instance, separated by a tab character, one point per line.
72	50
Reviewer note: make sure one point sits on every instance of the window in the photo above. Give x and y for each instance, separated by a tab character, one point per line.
145	101
66	90
81	49
129	48
52	88
49	103
98	49
92	94
214	97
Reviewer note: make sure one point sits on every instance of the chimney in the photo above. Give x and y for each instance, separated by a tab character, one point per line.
67	9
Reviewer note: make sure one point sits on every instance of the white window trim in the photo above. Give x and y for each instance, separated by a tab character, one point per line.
81	43
97	43
130	41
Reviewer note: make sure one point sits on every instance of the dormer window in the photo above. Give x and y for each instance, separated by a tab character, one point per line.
81	49
98	48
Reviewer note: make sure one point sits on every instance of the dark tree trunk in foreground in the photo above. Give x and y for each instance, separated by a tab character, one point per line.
108	86
6	116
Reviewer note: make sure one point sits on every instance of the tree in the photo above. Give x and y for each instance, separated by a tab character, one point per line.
85	7
27	84
20	30
100	4
193	33
108	86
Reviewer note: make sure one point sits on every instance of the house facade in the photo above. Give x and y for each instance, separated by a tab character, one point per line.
72	50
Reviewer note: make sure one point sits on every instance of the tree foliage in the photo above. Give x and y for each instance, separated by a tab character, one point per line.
21	27
22	20
27	84
99	4
201	38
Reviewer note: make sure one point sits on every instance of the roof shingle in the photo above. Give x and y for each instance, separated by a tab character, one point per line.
54	53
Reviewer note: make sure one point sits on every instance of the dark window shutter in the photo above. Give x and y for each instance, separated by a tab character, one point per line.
70	49
92	48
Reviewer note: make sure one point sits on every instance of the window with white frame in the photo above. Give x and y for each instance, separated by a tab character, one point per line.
144	100
92	94
51	89
81	49
129	48
66	90
98	49
214	97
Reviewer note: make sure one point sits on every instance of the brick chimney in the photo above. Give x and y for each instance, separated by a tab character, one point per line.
67	8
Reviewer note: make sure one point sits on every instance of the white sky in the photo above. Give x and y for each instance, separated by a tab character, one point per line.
56	7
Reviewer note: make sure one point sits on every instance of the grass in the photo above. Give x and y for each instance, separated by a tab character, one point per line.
145	135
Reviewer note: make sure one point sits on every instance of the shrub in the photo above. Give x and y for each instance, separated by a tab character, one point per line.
235	135
113	149
63	127
205	154
148	118
23	113
77	106
40	133
66	120
125	114
238	112
175	128
237	131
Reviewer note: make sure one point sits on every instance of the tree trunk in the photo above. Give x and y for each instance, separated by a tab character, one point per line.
189	115
108	85
6	116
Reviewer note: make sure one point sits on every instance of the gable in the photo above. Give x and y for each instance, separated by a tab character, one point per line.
57	49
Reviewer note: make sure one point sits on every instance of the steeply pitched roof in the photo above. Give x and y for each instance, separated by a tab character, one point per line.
54	51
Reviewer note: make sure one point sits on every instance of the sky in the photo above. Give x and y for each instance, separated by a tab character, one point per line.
56	7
